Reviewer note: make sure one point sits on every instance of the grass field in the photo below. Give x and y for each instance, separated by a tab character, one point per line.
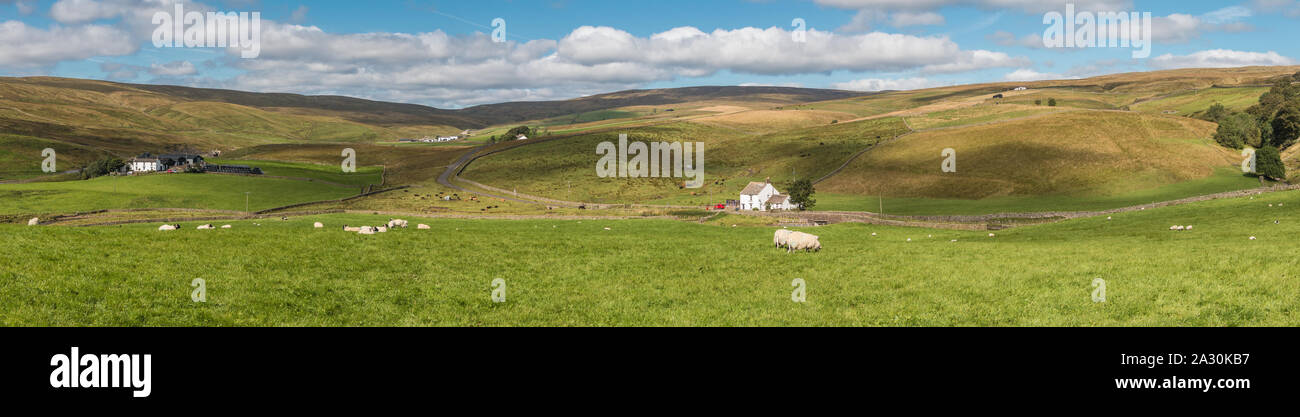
1223	180
332	173
565	168
1078	153
1192	103
201	191
659	272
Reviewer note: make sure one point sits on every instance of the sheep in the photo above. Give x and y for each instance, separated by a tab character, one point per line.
205	227
366	230
781	238
803	241
1189	227
225	226
382	229
395	223
168	227
347	228
319	225
34	221
1252	238
422	227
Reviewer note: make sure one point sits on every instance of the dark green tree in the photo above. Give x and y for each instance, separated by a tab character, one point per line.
801	194
1268	163
1051	102
1237	130
1216	112
515	132
1286	127
101	168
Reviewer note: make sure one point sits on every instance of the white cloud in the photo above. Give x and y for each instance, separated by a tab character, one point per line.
1026	74
879	84
1027	6
902	19
23	46
172	69
81	11
1219	58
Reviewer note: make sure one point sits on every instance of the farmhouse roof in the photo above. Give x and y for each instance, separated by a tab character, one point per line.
778	199
753	188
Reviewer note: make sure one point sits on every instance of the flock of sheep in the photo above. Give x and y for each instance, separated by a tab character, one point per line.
370	230
793	241
365	230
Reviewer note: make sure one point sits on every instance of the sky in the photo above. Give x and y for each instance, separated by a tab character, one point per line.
455	54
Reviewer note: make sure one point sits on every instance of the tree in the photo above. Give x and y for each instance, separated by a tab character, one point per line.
1237	130
101	168
1216	112
1038	102
1286	126
1268	163
1051	102
801	193
515	132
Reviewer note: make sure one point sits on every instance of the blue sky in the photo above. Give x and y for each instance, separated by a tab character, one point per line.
441	53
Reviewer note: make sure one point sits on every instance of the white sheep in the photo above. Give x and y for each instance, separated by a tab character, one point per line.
781	238
396	223
319	225
367	230
423	227
382	229
34	221
205	227
803	241
168	228
347	228
225	226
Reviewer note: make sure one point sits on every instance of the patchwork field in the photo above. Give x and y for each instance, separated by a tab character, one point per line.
1087	153
202	191
661	272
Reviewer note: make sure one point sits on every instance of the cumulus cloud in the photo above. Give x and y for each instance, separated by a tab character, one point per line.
885	84
903	19
1026	74
1219	58
173	69
590	58
23	46
1027	6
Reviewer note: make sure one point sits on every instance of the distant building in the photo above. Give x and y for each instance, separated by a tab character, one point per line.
149	163
762	196
1021	88
521	137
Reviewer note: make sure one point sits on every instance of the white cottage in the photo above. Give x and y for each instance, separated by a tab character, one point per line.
145	163
762	196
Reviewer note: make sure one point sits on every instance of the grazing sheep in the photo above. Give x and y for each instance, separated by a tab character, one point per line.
382	229
992	235
225	226
781	238
319	225
422	227
1252	238
1189	227
205	227
34	221
367	230
168	228
803	241
347	228
396	223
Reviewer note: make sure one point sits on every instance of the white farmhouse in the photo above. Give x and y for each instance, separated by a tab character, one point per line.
762	196
145	163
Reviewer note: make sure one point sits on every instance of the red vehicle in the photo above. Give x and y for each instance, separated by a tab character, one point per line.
720	207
